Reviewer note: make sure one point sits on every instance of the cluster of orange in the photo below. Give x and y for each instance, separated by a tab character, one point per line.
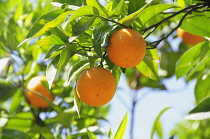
96	86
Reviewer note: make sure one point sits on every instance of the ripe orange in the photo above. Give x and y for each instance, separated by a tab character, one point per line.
189	38
35	84
127	48
96	86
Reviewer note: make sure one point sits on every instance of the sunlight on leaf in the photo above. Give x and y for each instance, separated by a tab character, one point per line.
156	121
121	129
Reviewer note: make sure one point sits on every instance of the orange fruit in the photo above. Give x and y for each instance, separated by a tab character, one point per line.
189	38
35	84
127	48
96	86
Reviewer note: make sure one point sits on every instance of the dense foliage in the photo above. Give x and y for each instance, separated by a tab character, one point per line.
60	39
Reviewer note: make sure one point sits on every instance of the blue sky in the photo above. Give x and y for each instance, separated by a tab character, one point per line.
179	96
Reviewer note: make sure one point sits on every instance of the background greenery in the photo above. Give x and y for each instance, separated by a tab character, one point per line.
61	38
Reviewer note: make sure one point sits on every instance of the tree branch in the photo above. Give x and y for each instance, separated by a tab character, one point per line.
188	10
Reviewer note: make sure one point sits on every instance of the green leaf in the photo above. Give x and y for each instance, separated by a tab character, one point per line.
50	40
188	60
64	118
199	66
201	111
13	134
116	71
119	8
52	70
44	131
45	23
121	129
129	19
21	121
65	55
91	135
149	66
54	51
83	24
60	34
135	5
96	4
152	11
197	25
159	130
202	88
156	121
77	103
84	11
168	62
77	68
110	134
16	100
99	36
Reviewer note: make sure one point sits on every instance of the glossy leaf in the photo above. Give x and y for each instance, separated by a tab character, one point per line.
199	67
65	55
83	24
197	25
135	5
54	51
201	111
202	88
149	66
77	103
50	40
52	70
119	7
91	135
188	60
148	13
121	129
156	121
77	68
96	4
84	11
159	129
45	23
116	71
129	19
101	36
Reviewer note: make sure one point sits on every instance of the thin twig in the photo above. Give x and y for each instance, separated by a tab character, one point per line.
188	11
198	5
110	20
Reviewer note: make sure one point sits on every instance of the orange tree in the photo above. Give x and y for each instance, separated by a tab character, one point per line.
60	39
